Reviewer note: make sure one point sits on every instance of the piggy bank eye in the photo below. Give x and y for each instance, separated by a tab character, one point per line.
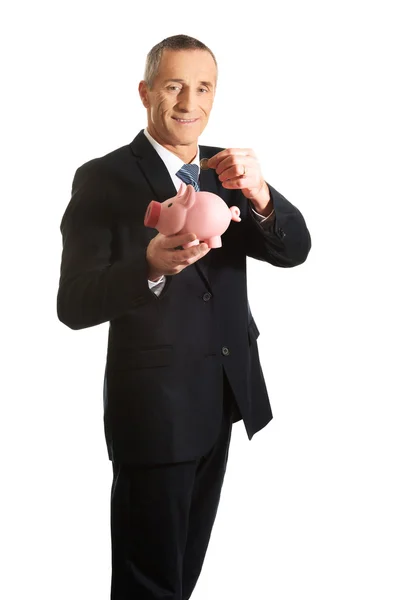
170	204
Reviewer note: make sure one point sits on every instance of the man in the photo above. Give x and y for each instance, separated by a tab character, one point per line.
182	361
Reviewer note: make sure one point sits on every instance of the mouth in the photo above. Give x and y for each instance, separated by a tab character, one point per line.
185	121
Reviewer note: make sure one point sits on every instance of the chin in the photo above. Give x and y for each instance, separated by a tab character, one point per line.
186	137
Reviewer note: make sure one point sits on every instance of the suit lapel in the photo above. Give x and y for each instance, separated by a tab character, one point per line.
208	183
153	168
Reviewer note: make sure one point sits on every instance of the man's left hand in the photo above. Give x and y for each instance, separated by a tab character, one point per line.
238	168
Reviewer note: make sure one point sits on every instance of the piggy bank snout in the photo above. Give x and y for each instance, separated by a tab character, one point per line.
152	214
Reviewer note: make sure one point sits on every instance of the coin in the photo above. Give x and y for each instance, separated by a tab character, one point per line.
204	164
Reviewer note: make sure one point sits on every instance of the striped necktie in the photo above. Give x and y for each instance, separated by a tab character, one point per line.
190	175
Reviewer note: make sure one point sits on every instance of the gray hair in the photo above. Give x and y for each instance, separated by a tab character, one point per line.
175	42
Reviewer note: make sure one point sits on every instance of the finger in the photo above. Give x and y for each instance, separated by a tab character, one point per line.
194	259
172	241
241	162
216	159
243	171
241	183
190	254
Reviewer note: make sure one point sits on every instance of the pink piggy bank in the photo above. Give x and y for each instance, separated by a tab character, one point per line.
202	213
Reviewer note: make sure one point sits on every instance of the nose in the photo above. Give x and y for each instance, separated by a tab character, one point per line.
152	214
187	100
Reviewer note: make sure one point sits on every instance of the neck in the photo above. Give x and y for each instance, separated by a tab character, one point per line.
186	152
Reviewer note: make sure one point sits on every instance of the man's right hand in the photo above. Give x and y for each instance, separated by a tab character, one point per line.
165	258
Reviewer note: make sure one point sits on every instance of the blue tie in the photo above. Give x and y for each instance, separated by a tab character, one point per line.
190	175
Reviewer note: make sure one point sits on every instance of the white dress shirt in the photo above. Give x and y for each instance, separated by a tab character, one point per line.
173	164
171	161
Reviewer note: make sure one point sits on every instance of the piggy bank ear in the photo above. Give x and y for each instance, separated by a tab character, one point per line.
189	197
182	189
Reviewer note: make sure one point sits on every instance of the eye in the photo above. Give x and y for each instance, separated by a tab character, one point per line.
173	88
170	204
203	90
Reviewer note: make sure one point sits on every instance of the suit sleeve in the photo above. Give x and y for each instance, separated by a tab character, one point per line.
94	288
283	242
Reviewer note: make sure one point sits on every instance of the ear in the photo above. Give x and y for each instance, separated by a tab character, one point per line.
182	189
144	94
189	197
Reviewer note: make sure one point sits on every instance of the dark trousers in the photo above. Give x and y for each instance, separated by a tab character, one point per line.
161	521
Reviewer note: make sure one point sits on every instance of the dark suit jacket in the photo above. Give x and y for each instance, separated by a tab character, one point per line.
164	372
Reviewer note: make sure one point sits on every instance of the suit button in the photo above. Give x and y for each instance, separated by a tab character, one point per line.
281	233
225	351
206	296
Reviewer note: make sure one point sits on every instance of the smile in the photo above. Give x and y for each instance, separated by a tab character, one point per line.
185	121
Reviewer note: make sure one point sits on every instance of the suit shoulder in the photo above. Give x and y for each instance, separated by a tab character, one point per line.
99	165
90	183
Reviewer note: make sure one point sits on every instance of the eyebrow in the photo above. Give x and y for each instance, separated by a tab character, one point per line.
208	83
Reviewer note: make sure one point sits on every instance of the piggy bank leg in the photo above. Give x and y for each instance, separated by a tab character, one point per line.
195	242
214	242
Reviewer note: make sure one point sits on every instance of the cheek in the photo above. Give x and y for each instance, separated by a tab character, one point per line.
164	104
207	106
173	219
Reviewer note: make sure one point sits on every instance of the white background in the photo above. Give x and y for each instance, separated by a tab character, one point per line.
310	507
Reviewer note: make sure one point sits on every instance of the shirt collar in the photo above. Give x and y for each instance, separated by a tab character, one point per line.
171	161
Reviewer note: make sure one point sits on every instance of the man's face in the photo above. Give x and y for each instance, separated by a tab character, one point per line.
179	103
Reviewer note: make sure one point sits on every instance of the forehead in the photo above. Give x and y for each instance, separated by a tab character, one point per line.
187	64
